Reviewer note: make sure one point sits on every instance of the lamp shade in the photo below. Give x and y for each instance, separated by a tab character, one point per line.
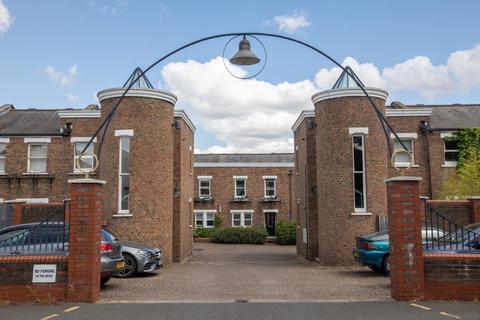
244	56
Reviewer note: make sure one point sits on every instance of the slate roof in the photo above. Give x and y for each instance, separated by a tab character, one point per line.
245	157
30	122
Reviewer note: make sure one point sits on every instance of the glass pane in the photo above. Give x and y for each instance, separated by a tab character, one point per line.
2	165
236	223
86	162
38	151
204	183
204	192
79	146
236	216
38	165
407	143
125	192
199	222
240	183
209	223
357	154
240	192
209	216
270	183
2	150
247	219
451	155
125	146
451	145
358	180
402	158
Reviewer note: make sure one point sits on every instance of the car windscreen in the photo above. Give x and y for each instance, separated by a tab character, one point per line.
107	235
378	236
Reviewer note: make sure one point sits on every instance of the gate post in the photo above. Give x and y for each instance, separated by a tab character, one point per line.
404	228
475	205
85	221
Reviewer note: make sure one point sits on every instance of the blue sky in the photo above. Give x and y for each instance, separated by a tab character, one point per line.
56	54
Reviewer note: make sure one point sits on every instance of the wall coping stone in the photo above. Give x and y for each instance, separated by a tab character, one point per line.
139	93
86	181
473	198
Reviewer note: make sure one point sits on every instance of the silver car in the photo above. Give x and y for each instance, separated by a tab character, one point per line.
140	258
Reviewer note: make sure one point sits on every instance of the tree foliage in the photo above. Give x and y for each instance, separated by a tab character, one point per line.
468	144
465	181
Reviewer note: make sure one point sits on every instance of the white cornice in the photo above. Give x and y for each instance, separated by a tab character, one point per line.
303	115
244	164
349	92
142	93
184	116
424	112
79	113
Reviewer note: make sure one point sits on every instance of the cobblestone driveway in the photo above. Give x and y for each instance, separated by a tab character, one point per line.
237	272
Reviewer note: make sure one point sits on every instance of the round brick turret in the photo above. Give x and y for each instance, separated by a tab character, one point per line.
340	115
146	115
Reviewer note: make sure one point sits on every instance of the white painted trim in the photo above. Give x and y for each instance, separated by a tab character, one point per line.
204	177
240	177
364	174
124	133
349	92
447	134
244	165
242	217
120	174
358	130
270	210
412	135
87	181
183	115
82	139
303	115
204	218
409	112
242	210
32	200
274	178
361	214
140	93
205	210
37	140
449	164
269	177
122	215
79	113
30	144
4	140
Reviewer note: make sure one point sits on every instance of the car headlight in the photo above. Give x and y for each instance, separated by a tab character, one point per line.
144	253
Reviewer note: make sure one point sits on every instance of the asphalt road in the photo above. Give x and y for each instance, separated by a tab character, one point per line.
232	311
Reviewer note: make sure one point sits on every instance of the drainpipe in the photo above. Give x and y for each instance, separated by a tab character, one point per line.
290	172
305	207
425	128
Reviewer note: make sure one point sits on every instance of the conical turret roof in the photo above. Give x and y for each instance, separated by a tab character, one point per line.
141	83
346	80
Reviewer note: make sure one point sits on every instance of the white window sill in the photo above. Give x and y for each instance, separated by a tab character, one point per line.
361	214
122	215
405	165
35	173
80	174
3	173
449	165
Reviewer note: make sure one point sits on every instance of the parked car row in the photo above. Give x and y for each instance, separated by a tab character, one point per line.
118	258
372	250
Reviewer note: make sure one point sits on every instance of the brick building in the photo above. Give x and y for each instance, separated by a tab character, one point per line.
244	190
341	163
146	161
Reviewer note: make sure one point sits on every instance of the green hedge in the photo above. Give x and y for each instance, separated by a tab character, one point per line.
204	232
286	232
250	235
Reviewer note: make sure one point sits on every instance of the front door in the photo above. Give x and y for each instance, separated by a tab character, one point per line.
270	223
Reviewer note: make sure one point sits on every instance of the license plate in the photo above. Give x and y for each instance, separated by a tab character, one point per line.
356	254
120	265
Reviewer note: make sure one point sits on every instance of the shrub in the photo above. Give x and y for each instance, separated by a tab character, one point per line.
204	232
217	222
250	235
286	232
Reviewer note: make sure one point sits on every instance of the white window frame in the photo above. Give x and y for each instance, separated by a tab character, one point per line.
364	208
204	218
238	178
4	158
448	164
120	175
204	178
412	159
242	218
265	178
75	140
30	144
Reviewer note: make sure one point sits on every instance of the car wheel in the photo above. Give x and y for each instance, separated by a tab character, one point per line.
374	268
386	265
103	281
130	266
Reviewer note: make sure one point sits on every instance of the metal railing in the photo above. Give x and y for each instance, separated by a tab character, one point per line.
442	234
49	237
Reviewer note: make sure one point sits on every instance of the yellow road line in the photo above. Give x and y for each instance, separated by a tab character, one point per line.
71	309
50	317
420	306
449	315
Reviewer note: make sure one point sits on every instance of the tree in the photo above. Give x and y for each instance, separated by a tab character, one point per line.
465	181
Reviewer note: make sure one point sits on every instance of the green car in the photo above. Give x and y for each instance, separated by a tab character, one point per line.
373	249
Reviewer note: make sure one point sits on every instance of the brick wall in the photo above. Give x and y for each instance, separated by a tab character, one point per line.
222	184
16	280
452	276
183	181
458	211
39	212
306	190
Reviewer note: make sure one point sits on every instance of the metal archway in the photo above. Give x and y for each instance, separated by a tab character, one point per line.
385	125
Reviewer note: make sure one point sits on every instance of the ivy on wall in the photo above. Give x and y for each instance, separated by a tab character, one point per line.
468	144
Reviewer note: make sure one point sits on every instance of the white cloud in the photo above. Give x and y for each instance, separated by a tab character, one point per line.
108	7
465	67
64	78
72	97
292	23
6	19
419	75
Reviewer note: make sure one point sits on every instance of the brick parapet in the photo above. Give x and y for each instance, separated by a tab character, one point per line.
475	205
404	225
